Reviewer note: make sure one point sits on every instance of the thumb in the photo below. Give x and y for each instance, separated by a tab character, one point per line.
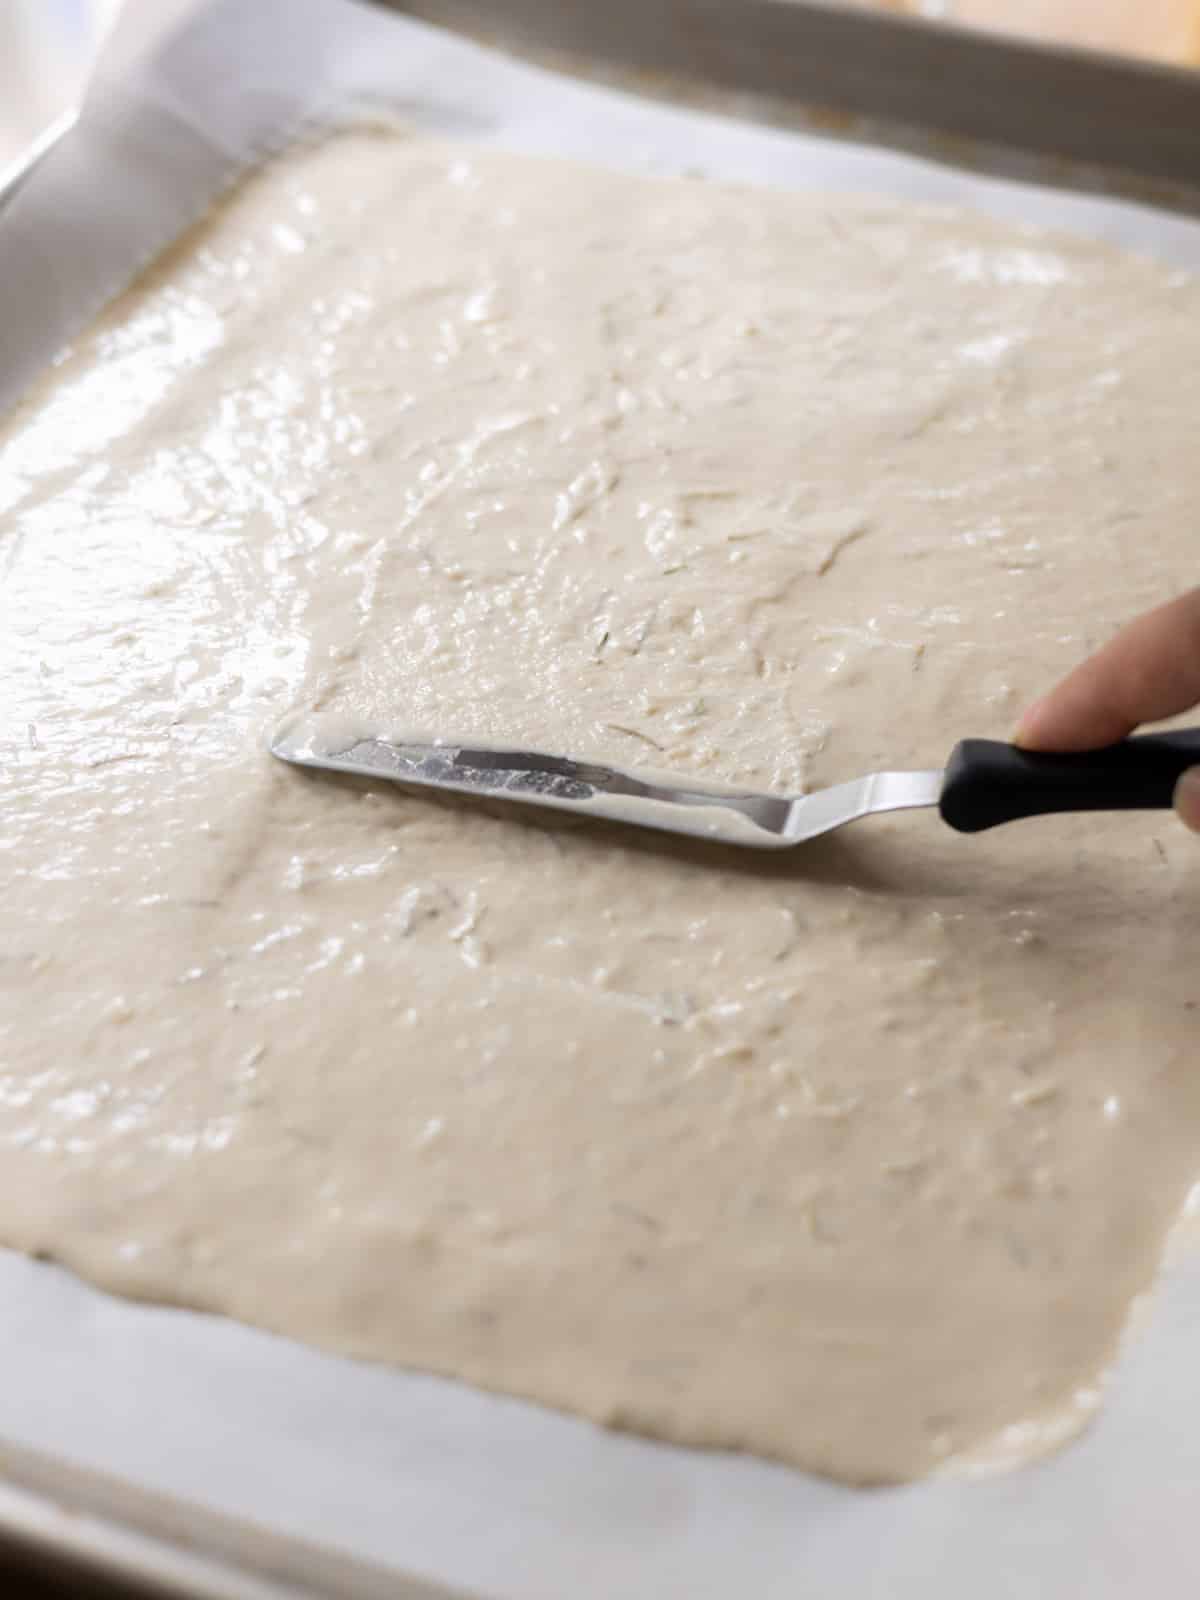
1187	798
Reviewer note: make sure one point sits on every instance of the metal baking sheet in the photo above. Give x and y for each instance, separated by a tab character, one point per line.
193	1452
1102	110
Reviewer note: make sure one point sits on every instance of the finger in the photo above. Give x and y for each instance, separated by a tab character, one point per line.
1187	798
1149	671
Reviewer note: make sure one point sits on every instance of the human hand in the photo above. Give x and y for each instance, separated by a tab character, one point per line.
1149	671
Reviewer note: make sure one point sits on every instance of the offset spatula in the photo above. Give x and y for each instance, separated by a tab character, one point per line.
984	783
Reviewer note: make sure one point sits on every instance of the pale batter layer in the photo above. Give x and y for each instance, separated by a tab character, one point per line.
856	1157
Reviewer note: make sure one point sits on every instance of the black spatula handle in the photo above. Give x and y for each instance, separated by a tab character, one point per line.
988	783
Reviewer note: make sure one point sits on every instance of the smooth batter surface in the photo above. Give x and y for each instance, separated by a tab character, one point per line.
855	1157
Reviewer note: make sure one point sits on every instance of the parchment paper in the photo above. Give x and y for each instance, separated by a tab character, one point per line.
426	1476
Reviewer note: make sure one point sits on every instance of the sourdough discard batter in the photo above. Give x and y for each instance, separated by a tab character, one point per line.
855	1157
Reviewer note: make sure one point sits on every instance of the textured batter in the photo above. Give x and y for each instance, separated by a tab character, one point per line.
855	1157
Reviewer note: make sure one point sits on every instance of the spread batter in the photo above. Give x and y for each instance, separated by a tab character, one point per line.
856	1157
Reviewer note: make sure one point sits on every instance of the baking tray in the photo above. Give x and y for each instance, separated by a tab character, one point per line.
1102	113
22	167
204	1458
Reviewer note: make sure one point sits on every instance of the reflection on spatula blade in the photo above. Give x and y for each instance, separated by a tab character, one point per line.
984	783
647	799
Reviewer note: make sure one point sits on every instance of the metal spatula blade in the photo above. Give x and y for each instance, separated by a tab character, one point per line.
984	783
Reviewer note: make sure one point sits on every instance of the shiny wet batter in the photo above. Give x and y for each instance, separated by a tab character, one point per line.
856	1157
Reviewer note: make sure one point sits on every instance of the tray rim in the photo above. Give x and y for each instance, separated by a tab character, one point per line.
75	1520
1093	109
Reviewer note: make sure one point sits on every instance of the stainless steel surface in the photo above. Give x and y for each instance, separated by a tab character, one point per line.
80	1529
15	173
671	805
1104	111
46	51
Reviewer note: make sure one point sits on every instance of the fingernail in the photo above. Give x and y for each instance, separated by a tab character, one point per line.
1026	729
1187	798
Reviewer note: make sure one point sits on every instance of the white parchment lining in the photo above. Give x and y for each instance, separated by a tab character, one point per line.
417	1474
